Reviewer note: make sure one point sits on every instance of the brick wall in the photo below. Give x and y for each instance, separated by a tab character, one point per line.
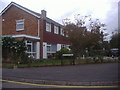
9	24
51	37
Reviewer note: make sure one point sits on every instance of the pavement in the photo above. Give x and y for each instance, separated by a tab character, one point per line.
79	75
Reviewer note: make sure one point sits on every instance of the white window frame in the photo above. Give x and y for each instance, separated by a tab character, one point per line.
19	22
61	31
48	45
31	46
48	27
56	29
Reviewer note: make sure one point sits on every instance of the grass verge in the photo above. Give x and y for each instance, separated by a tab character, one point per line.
54	62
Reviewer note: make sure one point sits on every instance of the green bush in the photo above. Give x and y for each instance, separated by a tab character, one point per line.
63	51
95	59
25	59
13	49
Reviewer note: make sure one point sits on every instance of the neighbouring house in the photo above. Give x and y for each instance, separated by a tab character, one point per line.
42	35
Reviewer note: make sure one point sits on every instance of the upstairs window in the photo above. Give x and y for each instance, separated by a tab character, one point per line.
62	32
48	27
19	25
56	30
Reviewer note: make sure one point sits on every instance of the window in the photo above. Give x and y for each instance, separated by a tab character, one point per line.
48	27
63	46
56	30
19	25
31	48
61	31
49	47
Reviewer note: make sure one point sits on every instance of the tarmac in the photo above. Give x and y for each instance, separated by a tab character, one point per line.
79	75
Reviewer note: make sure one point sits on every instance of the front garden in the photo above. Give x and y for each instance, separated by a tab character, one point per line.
56	62
14	56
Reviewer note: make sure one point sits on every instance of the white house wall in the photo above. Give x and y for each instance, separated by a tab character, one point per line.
44	50
58	47
67	46
54	48
38	50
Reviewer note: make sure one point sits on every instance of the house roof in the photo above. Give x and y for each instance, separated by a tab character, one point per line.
21	7
52	21
38	15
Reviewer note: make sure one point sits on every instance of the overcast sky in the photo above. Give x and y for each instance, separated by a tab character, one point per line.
105	10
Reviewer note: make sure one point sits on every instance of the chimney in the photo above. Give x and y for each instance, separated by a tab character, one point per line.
43	13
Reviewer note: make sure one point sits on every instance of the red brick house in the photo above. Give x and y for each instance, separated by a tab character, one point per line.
42	35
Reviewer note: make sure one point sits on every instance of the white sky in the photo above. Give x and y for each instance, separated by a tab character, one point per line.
105	10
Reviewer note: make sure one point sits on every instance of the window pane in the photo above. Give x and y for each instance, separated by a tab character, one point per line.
28	48
19	25
31	48
48	27
56	30
62	32
48	48
20	21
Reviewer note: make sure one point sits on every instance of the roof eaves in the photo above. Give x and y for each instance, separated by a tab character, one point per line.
21	7
52	21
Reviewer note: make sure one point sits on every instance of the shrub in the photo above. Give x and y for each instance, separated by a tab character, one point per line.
95	59
13	49
25	59
62	51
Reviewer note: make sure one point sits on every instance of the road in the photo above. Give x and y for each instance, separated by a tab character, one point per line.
23	85
13	84
95	74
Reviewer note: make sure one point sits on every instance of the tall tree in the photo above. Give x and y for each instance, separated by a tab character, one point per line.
83	35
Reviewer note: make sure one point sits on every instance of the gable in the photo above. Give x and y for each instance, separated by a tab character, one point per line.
22	8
